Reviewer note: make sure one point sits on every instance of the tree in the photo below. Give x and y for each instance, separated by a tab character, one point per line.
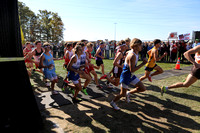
45	26
27	21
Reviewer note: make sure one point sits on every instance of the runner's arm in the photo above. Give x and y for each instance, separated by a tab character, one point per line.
188	53
118	57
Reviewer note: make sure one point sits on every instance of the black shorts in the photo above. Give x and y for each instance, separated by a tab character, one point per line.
196	72
99	62
150	68
117	75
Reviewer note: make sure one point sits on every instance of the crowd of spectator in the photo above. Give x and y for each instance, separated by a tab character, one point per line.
173	48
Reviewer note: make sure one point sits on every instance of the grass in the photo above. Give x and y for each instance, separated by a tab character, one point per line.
108	64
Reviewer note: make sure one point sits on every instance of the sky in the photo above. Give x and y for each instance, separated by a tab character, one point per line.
119	19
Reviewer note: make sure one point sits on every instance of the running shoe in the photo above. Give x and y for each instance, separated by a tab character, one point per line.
128	97
149	78
163	90
103	77
115	107
84	91
76	100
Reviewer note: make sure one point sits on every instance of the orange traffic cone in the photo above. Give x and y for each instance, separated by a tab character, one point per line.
178	64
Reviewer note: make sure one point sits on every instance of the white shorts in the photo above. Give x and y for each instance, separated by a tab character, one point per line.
133	82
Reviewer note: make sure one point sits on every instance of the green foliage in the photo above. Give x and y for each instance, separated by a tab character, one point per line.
45	26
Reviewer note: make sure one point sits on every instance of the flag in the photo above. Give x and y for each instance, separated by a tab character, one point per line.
173	35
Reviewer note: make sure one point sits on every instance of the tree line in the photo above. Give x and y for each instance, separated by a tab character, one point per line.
45	26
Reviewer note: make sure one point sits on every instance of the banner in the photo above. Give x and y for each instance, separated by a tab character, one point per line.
184	36
173	35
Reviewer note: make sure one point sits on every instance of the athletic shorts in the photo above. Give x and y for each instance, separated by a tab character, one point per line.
150	68
88	69
74	77
118	74
50	75
99	62
126	81
134	81
196	72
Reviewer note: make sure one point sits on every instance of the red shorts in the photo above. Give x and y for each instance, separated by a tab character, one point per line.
88	69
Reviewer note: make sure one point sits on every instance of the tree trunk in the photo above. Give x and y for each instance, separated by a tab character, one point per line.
20	110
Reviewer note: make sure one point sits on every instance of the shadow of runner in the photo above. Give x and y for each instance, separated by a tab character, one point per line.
175	121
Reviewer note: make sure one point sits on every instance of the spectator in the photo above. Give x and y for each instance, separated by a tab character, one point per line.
55	50
196	43
107	50
112	46
174	51
168	51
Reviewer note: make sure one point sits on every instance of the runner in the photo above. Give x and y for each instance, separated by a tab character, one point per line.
127	76
100	57
195	72
117	64
84	63
36	53
151	64
47	62
28	59
90	67
67	56
74	72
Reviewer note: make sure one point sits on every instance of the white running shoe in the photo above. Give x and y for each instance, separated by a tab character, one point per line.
128	97
113	104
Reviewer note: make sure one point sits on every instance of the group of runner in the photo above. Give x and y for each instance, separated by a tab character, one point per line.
78	64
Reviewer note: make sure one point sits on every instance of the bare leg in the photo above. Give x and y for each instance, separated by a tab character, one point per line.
122	94
158	71
95	77
189	81
87	77
77	89
102	69
145	75
139	88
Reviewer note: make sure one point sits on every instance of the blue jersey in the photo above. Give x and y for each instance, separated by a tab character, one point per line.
48	61
126	76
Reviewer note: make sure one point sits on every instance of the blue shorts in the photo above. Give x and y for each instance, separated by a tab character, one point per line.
50	75
126	79
74	77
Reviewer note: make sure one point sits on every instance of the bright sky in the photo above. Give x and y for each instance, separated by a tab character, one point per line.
144	19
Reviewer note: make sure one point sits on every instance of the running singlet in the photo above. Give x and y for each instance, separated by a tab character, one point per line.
197	58
25	53
120	62
68	59
48	61
100	54
151	61
71	74
37	55
126	76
